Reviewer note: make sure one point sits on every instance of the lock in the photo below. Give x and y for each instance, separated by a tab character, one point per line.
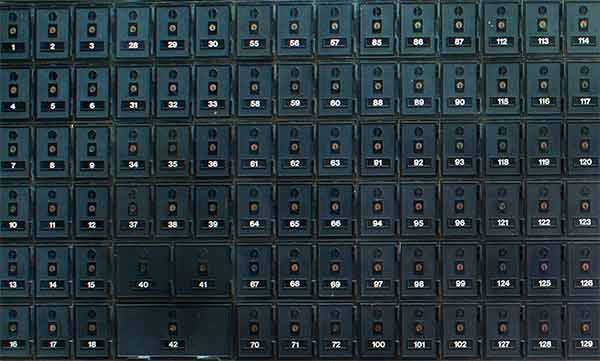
419	35
294	30
133	92
336	84
378	210
419	327
133	32
15	217
14	35
15	277
501	29
255	150
255	90
502	148
502	88
336	146
419	89
503	330
92	272
461	270
212	31
52	212
203	271
334	29
53	94
335	330
255	330
335	210
419	146
92	92
295	144
378	331
377	89
92	34
459	86
53	157
254	30
544	270
53	272
173	31
173	210
294	268
460	149
583	333
419	271
254	210
54	332
377	29
134	151
544	330
92	215
542	28
335	276
254	271
582	155
459	29
213	91
173	151
503	205
213	210
213	153
584	271
142	271
544	208
15	153
295	215
419	209
173	88
378	149
52	33
92	157
295	330
460	209
582	30
133	210
582	89
461	330
15	94
16	320
544	90
378	270
544	148
295	89
503	272
582	208
92	331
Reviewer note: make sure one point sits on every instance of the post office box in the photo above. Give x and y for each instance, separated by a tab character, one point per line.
295	144
294	30
459	29
255	330
295	210
583	85
92	331
14	37
418	29
503	330
213	91
143	271
254	30
582	156
334	29
583	332
173	151
255	87
254	210
15	154
335	271
173	210
460	149
419	209
503	208
212	30
542	27
53	271
92	33
378	209
419	330
53	33
503	270
134	155
173	89
173	31
213	211
544	269
378	270
336	86
255	149
544	330
92	211
584	270
295	331
16	330
461	330
52	212
378	149
544	208
133	32
501	29
295	89
502	88
460	209
378	330
54	332
133	211
53	157
544	89
15	274
53	93
203	271
377	89
582	27
133	92
213	153
93	86
254	270
335	330
377	22
15	98
172	331
502	148
461	270
419	271
336	146
419	146
294	267
544	148
92	271
582	208
459	87
92	155
335	210
419	89
15	216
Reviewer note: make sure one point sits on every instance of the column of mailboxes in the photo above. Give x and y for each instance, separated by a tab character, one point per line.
438	173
